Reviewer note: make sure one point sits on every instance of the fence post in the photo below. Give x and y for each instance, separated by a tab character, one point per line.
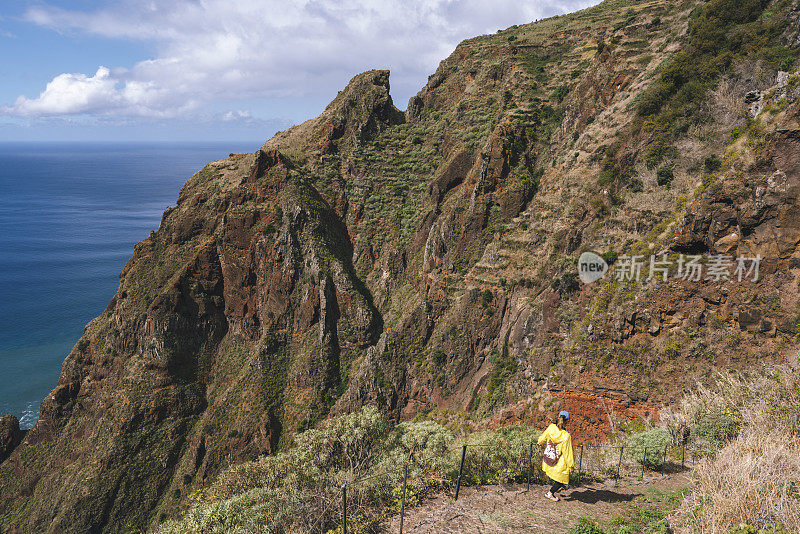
344	508
644	460
460	470
580	466
664	461
403	502
530	464
619	463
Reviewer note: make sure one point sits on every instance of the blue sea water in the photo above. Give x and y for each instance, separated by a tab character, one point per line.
69	217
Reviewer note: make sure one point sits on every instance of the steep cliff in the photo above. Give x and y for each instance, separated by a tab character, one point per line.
428	259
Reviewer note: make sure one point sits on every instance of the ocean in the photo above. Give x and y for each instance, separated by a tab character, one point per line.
69	217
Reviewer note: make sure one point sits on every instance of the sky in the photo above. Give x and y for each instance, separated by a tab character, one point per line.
219	70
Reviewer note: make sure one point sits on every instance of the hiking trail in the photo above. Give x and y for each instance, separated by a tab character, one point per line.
511	508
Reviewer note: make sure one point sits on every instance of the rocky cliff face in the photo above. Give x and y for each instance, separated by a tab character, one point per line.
428	259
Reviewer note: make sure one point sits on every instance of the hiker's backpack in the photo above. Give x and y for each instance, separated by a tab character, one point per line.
550	455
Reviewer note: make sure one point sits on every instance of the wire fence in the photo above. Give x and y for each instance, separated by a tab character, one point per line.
495	463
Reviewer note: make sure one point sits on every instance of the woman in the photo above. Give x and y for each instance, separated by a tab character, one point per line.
557	460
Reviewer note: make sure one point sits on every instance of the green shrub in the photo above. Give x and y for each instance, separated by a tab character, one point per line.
672	350
770	528
560	93
659	149
737	132
718	428
296	487
652	442
712	163
504	366
424	444
299	489
665	175
610	256
607	177
416	491
567	283
502	456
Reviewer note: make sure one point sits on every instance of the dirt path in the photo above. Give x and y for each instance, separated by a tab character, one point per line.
512	509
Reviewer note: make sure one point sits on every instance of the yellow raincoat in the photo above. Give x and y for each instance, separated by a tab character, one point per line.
566	460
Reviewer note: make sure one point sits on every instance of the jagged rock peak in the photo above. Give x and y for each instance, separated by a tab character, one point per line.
361	111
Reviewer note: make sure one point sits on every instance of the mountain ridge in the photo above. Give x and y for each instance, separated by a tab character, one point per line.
426	259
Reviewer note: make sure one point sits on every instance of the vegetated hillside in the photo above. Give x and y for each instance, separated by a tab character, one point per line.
427	259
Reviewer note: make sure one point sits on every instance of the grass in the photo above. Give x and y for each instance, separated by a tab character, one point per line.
753	479
647	514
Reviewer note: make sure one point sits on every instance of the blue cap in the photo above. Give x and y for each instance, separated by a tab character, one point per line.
564	414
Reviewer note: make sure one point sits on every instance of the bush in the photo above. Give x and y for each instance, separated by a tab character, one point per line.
712	163
648	447
298	490
425	444
607	177
504	366
297	487
635	185
610	256
560	93
664	176
567	283
718	428
504	458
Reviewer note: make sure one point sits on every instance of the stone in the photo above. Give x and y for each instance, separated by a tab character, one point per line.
782	80
748	318
727	244
10	435
752	96
755	102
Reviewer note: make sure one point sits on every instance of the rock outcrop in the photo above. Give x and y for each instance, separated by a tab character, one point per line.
10	435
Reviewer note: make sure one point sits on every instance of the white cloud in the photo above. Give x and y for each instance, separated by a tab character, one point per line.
102	94
212	51
70	93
